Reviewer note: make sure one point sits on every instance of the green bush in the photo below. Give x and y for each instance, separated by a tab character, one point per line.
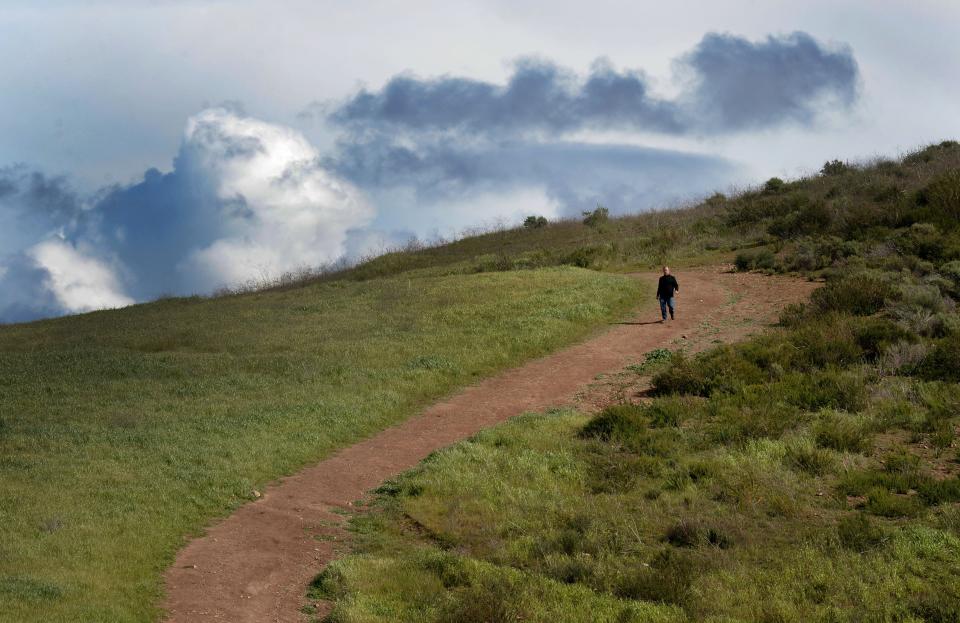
739	418
860	294
923	240
859	533
951	270
826	389
773	185
535	222
814	217
616	423
720	369
875	335
762	259
943	362
883	503
835	167
942	196
829	340
666	412
599	216
802	454
843	432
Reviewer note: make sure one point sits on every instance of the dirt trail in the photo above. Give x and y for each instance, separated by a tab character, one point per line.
255	565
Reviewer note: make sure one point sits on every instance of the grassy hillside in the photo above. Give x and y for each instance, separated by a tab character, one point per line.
123	431
812	216
808	474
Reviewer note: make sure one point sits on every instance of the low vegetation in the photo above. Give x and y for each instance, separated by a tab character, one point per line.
122	432
811	473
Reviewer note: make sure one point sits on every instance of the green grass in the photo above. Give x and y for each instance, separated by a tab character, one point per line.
121	432
809	474
558	517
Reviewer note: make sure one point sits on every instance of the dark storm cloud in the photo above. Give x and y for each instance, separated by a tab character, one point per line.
732	84
539	96
447	137
33	194
739	84
33	205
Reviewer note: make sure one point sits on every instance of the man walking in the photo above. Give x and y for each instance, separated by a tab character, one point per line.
667	288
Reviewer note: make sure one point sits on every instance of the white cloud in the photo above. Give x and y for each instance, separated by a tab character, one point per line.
279	209
79	282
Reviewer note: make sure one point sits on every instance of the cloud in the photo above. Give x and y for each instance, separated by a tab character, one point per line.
730	84
78	282
32	205
246	200
739	85
427	180
539	96
423	146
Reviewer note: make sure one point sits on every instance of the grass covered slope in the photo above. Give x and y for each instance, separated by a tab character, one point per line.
816	216
810	474
122	431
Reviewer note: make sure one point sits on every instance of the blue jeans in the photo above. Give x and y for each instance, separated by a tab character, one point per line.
664	304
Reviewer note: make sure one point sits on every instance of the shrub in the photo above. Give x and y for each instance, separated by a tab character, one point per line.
943	362
923	240
876	335
885	504
803	455
740	418
793	314
828	341
720	369
951	270
934	492
535	222
812	218
773	185
861	294
903	357
584	257
598	216
653	359
843	432
827	389
835	167
666	412
616	422
859	533
942	196
762	259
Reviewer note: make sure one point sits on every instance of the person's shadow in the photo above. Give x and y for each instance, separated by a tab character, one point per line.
638	323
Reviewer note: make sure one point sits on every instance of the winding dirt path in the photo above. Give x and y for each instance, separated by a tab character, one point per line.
256	564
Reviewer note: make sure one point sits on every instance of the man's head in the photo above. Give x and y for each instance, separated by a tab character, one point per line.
666	270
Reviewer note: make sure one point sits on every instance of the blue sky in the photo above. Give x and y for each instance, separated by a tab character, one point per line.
171	147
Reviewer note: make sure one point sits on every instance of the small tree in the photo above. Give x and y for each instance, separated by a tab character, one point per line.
773	185
535	222
834	167
597	217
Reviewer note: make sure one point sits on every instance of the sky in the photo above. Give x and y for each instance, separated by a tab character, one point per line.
173	147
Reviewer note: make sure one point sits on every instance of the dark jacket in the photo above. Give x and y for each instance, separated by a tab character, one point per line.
666	287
